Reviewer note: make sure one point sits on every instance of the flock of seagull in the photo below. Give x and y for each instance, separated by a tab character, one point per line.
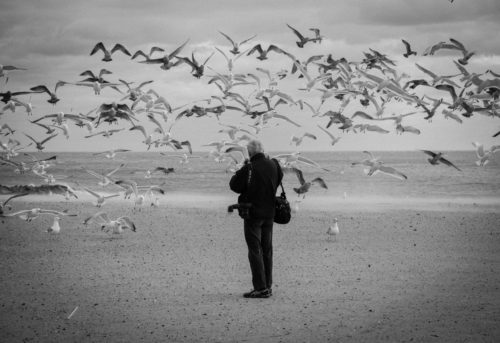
330	88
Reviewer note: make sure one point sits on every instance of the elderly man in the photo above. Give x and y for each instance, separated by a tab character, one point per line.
256	182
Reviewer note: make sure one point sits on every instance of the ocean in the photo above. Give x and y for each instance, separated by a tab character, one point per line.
203	175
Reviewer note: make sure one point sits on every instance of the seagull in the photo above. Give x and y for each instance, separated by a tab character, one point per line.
151	52
305	185
92	77
55	227
101	198
4	204
406	128
466	54
290	160
148	137
437	158
409	51
104	133
333	230
6	126
166	61
29	215
298	139
42	189
334	140
43	89
376	166
183	159
97	86
236	46
484	155
39	144
263	53
110	154
107	54
449	114
432	111
105	179
136	92
440	78
197	69
5	69
116	226
303	40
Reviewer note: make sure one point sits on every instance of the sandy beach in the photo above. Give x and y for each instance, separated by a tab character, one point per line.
406	274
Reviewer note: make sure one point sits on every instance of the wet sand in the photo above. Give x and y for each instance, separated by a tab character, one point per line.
398	272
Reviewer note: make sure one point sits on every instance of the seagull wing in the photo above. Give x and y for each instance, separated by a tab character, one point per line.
393	172
13	214
121	48
126	221
140	128
97	47
99	215
279	116
297	33
48	138
448	163
297	172
115	170
93	173
320	182
430	153
229	39
13	197
93	193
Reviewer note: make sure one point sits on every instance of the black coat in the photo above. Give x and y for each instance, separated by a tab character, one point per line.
265	179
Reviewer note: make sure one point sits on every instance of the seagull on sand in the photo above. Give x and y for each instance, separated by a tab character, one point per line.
55	227
101	198
484	155
107	53
437	157
116	226
29	215
333	230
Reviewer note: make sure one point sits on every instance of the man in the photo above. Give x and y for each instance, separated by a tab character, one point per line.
260	191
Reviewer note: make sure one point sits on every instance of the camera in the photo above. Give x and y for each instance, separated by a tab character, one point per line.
243	209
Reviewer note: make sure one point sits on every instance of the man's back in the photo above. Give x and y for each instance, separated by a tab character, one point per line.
265	179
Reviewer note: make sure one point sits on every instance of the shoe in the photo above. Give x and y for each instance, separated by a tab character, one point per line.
264	293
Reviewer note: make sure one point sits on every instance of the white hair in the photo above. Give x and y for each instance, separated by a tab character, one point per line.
254	146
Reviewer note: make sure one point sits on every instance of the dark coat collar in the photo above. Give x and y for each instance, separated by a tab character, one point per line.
257	156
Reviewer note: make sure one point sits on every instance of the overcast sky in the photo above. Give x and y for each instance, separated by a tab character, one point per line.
53	40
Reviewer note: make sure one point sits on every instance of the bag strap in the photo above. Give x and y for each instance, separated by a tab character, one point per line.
249	174
281	183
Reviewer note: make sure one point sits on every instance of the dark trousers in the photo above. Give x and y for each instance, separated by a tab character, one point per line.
259	238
